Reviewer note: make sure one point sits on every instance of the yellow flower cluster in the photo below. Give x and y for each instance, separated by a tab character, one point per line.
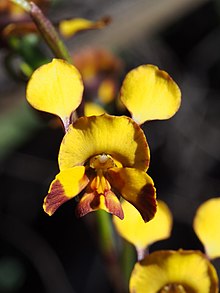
169	271
103	157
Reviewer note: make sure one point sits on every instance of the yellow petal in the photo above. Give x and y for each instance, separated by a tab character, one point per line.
149	94
142	234
119	137
189	269
93	109
136	187
206	225
67	184
55	88
69	28
94	201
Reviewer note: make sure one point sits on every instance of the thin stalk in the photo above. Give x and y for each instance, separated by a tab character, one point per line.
46	29
108	249
128	260
107	242
49	33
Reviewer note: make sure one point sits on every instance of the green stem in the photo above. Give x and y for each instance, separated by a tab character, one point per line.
128	259
108	249
105	231
46	29
49	33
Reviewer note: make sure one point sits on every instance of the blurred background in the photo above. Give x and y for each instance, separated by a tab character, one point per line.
60	253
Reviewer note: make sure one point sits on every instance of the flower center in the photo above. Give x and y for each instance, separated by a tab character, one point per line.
102	162
175	288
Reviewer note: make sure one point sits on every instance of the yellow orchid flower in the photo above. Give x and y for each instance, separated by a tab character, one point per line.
92	156
174	271
206	225
108	156
141	234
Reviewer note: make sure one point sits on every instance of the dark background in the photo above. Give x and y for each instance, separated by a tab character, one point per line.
60	253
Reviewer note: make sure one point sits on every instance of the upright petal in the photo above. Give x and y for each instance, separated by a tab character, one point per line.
137	188
142	234
55	88
67	184
206	225
119	137
182	271
150	93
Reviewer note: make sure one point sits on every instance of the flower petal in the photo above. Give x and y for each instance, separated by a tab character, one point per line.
137	188
94	201
149	94
206	225
142	234
191	269
69	28
67	184
119	137
55	88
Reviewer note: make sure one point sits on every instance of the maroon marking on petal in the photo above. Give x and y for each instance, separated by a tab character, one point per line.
55	198
113	204
88	203
146	202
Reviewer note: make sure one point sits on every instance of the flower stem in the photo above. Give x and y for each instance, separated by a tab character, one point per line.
46	29
108	249
49	33
105	231
128	260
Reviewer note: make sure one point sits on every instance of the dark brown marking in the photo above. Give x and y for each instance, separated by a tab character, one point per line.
55	198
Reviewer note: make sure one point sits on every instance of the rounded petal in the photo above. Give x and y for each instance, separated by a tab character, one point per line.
142	234
69	28
137	188
149	94
119	137
188	269
206	225
67	184
93	109
55	88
